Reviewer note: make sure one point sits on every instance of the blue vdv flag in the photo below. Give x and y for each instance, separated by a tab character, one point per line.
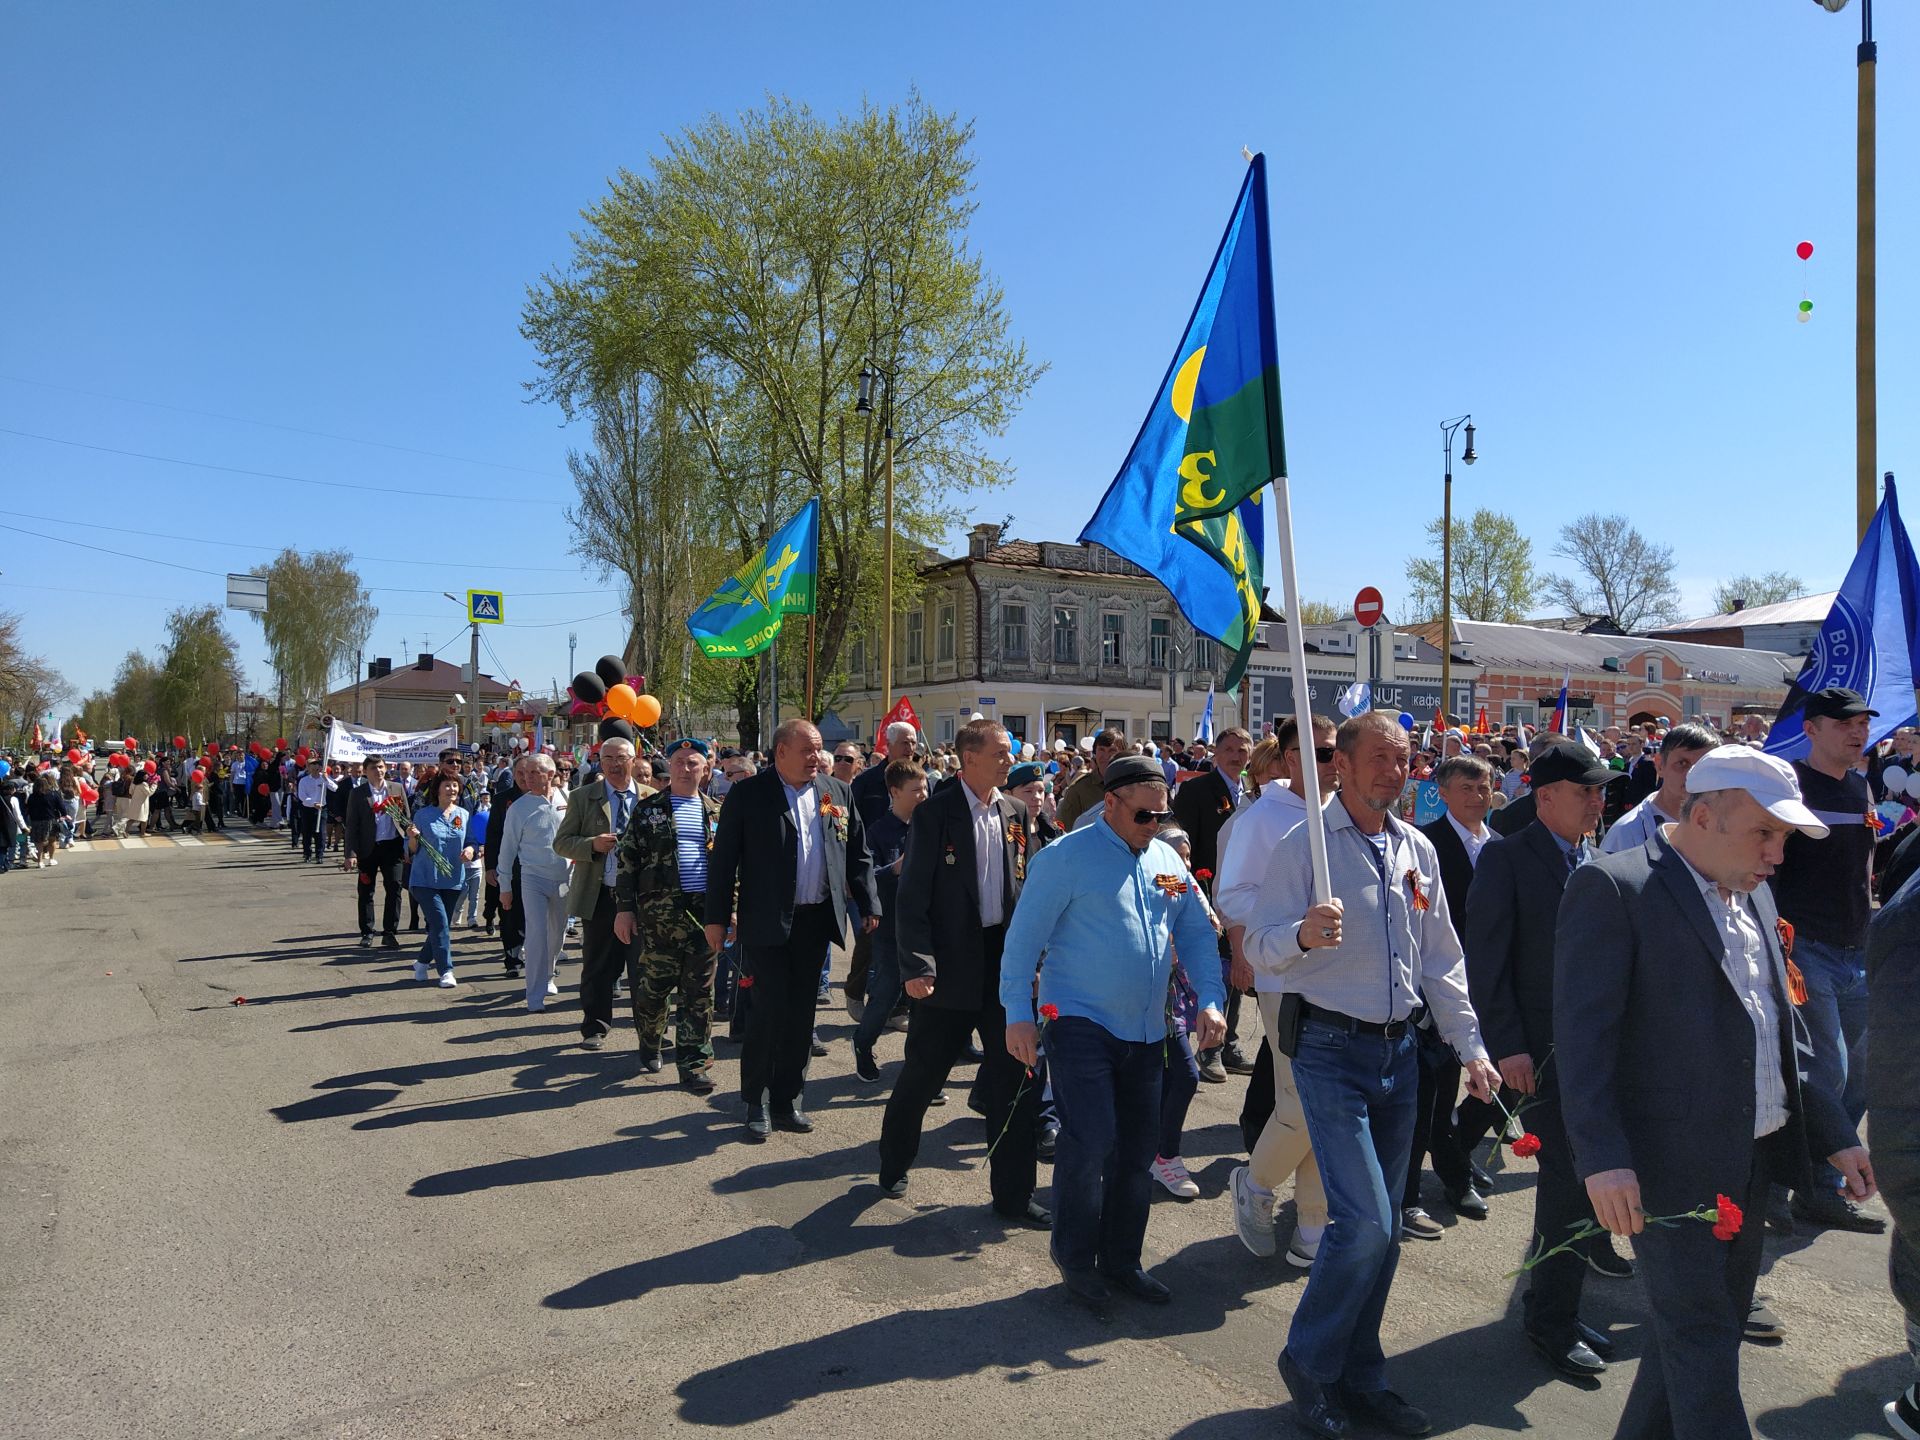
744	615
1185	506
1868	639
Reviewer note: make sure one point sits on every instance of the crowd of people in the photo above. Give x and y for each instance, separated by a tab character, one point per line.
1094	928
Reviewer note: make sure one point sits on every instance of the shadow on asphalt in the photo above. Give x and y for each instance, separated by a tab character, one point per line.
673	1141
1852	1409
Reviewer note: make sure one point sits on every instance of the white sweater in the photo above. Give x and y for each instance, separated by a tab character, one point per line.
532	822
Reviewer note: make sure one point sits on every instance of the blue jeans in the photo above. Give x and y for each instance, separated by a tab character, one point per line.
1361	1095
883	989
1107	1093
436	906
1179	1080
476	883
1836	1016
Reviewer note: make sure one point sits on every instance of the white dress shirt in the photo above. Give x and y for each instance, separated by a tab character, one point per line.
313	789
810	864
989	858
1474	843
1743	956
1255	832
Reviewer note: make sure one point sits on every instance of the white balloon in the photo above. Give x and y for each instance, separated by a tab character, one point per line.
1027	752
1895	779
1913	786
1086	744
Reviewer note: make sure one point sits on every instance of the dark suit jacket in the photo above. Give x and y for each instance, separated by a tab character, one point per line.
1512	910
1202	806
1456	870
1893	1079
1655	1050
361	823
937	917
869	789
755	848
1512	818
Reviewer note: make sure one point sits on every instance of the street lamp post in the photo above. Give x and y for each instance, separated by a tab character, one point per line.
473	698
1447	429
870	375
1865	381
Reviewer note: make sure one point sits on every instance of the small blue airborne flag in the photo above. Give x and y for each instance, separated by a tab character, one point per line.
1868	638
1185	506
744	615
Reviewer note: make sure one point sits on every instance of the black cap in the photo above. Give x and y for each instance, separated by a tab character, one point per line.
1836	702
1570	762
1132	770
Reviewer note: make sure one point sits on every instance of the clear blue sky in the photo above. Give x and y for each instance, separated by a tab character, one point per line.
1576	222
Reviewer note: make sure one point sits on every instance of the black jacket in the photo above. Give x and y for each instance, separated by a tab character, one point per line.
937	917
361	823
1893	1079
1513	817
1655	1050
1513	908
756	846
1456	870
869	789
497	828
1202	806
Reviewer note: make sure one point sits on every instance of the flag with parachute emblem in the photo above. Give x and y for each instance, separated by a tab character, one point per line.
1185	506
744	615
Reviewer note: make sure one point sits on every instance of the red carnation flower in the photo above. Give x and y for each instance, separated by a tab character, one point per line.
1727	1218
1049	1012
1203	874
1527	1145
746	982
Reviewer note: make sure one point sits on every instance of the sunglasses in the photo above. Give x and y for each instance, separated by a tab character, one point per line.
1322	753
1152	817
846	759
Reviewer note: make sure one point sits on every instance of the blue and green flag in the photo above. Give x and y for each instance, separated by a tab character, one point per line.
1185	506
743	616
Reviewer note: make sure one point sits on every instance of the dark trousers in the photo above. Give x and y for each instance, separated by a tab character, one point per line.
306	825
1433	1121
1699	1290
1107	1093
1560	1202
513	923
602	958
786	982
386	863
935	1037
858	964
1179	1080
1233	1018
883	988
1257	1107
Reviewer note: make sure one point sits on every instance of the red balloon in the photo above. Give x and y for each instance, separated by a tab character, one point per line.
261	790
151	768
179	742
281	743
132	744
199	777
74	757
1804	249
116	762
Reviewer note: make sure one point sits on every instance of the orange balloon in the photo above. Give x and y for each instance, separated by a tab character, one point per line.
645	712
620	700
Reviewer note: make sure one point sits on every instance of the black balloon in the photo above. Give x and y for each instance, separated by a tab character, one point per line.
612	729
587	688
611	669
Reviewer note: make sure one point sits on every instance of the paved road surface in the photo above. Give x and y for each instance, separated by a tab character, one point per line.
358	1207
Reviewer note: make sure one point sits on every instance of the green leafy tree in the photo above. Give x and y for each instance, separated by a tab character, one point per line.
1617	572
1493	574
317	614
1320	612
29	686
755	271
198	673
1744	592
136	700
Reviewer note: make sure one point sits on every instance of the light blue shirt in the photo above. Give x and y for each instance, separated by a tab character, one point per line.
1108	929
447	834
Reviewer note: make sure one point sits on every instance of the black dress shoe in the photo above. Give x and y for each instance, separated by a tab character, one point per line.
698	1082
1469	1203
389	942
1577	1359
1035	1216
1830	1210
1085	1285
1601	1344
595	1041
1386	1411
650	1062
1139	1284
1046	1141
973	1054
1316	1409
759	1127
896	1187
864	1065
793	1121
366	942
1480	1180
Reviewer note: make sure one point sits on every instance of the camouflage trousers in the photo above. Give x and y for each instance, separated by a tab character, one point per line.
673	956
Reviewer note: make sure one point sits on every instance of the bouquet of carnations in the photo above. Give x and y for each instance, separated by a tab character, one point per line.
396	811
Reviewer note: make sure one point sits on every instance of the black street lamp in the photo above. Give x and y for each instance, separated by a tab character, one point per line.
1447	429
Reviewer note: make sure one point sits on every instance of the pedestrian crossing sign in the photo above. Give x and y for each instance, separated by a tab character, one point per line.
485	607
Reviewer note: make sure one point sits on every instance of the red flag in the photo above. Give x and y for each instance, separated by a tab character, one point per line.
38	742
902	711
1481	723
1439	719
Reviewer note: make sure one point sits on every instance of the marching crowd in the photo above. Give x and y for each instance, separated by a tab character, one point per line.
1639	959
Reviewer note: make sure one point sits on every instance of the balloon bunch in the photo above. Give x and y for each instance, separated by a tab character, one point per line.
1805	251
607	690
1899	781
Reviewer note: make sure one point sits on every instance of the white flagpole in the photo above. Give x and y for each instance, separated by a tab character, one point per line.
1302	705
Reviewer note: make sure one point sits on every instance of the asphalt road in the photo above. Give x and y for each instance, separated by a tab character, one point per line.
359	1207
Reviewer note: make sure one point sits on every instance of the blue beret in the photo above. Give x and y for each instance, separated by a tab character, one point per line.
674	747
1022	775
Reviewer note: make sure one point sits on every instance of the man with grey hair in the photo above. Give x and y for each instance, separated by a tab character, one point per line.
1684	745
597	816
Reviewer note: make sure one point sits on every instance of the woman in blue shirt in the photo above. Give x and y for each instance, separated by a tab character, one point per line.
440	847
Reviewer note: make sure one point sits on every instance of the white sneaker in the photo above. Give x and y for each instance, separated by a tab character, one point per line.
1173	1177
447	982
1252	1213
420	971
53	860
552	988
1305	1246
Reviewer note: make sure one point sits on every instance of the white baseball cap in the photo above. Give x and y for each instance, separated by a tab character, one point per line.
1767	778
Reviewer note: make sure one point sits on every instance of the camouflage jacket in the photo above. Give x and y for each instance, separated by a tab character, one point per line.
647	860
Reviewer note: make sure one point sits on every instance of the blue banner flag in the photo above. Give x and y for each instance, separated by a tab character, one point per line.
1185	506
1867	641
744	615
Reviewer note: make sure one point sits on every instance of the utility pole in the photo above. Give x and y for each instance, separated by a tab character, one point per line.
358	670
473	690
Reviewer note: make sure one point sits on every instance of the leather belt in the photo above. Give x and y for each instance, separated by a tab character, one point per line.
1388	1029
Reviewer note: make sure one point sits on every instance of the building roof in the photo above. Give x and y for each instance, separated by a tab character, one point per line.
1534	650
1807	610
442	679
